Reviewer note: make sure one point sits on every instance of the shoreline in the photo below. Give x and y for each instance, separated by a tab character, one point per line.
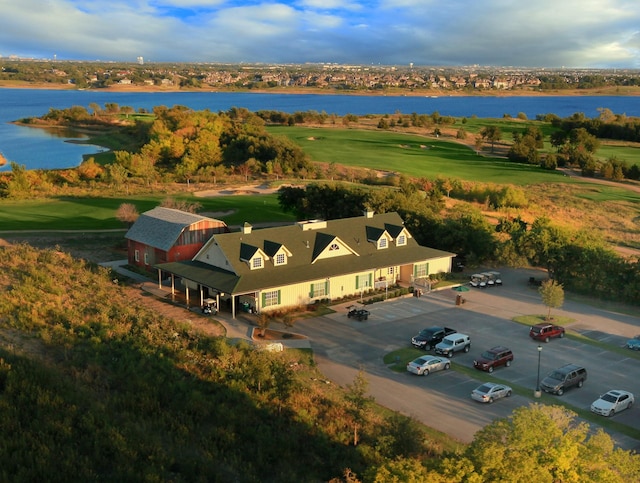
614	91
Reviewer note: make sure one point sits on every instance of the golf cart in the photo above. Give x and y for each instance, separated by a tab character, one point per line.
209	307
491	281
358	312
478	280
496	277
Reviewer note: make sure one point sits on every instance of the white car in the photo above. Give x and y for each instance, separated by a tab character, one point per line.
427	364
612	402
490	391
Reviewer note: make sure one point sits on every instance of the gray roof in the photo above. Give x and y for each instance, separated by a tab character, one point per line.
161	227
305	246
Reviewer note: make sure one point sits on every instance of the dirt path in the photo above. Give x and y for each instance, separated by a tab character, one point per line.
202	323
626	185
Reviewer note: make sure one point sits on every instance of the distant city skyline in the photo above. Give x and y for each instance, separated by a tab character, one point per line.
538	33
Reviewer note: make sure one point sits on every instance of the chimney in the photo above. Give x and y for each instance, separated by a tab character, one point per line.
246	228
368	213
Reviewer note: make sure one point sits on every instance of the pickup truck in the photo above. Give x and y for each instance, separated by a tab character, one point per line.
428	338
454	343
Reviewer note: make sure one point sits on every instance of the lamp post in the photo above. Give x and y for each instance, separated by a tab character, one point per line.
537	392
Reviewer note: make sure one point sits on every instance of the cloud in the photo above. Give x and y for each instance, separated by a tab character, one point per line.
580	33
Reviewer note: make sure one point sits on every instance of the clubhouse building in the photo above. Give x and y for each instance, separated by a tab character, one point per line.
271	269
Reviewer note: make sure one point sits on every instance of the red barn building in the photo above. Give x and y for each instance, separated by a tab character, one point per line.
164	235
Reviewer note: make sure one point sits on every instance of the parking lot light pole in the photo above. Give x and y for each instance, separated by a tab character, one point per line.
537	392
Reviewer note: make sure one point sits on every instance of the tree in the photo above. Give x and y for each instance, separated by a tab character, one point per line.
552	294
117	173
127	213
19	184
491	134
543	444
264	321
524	150
358	403
89	169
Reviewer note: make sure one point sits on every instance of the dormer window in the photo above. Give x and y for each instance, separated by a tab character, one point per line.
401	240
280	259
382	243
256	263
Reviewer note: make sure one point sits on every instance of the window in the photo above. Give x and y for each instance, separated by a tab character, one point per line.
280	259
401	241
362	281
137	255
257	262
271	298
390	271
146	259
319	289
420	270
334	246
382	243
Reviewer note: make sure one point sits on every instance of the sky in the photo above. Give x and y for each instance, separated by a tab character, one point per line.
519	33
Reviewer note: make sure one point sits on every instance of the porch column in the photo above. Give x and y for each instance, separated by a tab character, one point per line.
159	278
173	284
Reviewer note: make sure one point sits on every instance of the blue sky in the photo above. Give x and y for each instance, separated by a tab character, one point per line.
524	33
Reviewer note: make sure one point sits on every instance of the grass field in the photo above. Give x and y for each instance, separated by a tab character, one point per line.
100	213
413	155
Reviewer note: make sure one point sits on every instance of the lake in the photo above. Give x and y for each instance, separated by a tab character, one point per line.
47	149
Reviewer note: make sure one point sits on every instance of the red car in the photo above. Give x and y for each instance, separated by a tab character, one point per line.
545	332
492	358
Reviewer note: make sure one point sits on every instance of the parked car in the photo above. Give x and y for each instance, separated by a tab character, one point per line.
454	343
612	402
425	365
634	344
478	280
428	338
546	332
563	378
492	358
490	391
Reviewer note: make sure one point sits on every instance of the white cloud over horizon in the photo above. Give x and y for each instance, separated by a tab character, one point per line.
538	33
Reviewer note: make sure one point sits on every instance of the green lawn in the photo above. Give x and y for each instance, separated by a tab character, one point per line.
412	155
100	213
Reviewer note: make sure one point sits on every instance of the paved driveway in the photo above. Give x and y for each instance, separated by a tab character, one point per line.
441	400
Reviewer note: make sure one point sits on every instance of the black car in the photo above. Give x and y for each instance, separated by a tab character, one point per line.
427	339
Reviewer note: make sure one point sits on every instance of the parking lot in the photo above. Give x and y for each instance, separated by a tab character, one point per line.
442	400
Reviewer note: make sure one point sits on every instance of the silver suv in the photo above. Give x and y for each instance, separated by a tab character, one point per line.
561	379
453	343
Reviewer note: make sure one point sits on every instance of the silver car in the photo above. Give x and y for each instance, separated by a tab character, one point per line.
490	391
612	402
427	364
